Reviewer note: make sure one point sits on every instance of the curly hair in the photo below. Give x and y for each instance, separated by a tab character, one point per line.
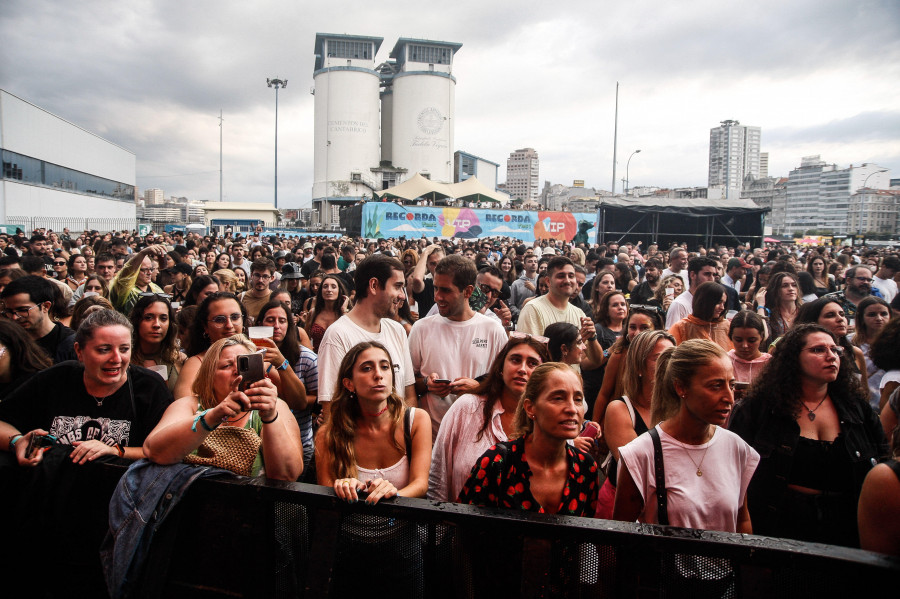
339	432
491	388
780	384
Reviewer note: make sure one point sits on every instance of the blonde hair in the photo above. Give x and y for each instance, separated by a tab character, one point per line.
522	424
636	358
679	364
203	384
228	279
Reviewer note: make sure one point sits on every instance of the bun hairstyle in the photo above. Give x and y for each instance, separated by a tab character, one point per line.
680	364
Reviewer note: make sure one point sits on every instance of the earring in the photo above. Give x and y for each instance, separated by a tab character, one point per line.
352	396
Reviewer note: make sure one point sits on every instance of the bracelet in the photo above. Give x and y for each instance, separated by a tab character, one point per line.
284	365
13	439
200	418
269	421
120	450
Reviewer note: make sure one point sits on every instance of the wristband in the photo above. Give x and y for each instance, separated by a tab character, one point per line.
284	365
269	421
120	450
200	418
13	439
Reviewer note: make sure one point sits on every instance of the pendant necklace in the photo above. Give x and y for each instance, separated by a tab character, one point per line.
699	470
811	414
99	401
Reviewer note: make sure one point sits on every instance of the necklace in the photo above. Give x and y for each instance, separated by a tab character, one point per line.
99	401
226	420
696	465
811	414
376	414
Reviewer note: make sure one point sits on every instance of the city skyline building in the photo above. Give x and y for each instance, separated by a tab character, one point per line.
522	175
733	154
467	165
154	196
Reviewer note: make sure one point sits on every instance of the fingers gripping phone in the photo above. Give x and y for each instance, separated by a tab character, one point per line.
251	368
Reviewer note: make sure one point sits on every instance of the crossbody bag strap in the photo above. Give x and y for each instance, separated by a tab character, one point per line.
407	432
630	409
662	502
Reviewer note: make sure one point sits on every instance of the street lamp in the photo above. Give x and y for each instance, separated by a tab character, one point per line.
277	84
627	164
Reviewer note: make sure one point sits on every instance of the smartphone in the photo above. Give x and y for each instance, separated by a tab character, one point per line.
441	381
478	299
36	442
251	368
589	430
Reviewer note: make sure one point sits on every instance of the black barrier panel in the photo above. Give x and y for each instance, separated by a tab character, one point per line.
258	538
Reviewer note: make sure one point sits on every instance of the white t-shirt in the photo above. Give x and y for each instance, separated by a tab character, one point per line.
681	307
708	502
887	287
456	449
343	334
452	350
539	313
682	273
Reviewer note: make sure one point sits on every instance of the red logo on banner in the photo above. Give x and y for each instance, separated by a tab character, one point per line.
555	225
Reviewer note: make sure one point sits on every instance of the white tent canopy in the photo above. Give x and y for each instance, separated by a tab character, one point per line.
419	187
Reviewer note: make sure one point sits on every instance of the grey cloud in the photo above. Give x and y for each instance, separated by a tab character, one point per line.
866	126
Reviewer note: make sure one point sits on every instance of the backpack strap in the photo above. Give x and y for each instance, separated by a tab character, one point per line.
407	431
662	502
630	408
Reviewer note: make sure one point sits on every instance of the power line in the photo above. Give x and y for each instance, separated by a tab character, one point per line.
181	175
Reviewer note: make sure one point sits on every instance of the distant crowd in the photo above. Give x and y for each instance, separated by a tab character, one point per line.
550	377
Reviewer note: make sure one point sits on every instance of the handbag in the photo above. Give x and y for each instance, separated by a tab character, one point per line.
232	448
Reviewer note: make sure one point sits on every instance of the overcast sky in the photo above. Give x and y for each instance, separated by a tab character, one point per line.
818	76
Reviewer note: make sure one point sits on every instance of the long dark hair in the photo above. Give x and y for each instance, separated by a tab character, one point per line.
319	304
290	345
779	383
168	351
198	285
199	341
25	356
491	388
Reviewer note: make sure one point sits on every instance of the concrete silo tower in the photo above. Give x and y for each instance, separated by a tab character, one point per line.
418	104
347	136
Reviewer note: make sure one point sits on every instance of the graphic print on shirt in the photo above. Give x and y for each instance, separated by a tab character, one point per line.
69	429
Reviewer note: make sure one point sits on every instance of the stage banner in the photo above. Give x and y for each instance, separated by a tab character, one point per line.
386	219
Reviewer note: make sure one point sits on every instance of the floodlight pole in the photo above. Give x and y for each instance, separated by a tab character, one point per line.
277	84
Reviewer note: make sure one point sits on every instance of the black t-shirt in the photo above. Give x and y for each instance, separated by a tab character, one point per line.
308	268
56	401
59	343
425	299
642	294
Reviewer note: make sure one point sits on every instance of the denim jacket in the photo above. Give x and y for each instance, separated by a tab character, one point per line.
143	499
775	437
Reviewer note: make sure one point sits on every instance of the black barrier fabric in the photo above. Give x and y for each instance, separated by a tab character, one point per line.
257	538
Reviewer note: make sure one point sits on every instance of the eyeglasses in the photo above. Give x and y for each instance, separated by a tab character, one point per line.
147	271
488	290
20	312
644	307
819	350
162	296
863	279
256	275
521	335
221	320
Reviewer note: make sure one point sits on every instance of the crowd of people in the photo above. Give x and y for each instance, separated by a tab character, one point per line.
729	388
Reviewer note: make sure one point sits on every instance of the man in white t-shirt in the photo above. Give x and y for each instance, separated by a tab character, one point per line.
379	293
543	311
700	270
456	345
884	278
677	261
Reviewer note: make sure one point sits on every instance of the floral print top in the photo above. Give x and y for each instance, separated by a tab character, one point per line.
500	479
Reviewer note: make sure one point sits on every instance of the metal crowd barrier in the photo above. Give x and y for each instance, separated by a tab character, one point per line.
258	538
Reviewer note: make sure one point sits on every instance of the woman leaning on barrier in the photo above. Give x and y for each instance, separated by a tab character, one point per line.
808	417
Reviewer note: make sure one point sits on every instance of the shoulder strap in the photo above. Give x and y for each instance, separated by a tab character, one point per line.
630	408
407	431
662	500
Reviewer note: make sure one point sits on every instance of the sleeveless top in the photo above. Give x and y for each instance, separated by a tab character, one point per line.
398	474
316	332
640	428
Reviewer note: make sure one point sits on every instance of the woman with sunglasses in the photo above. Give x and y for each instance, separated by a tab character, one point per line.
808	416
155	336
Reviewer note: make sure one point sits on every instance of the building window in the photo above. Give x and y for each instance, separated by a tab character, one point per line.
348	49
26	169
428	54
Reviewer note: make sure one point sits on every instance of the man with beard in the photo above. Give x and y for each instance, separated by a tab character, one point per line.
451	348
678	259
379	293
643	293
543	311
858	287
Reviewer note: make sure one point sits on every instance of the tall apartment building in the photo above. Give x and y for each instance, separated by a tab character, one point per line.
154	196
733	154
818	194
522	170
763	164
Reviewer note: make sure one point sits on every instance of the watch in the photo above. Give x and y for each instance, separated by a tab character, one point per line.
284	365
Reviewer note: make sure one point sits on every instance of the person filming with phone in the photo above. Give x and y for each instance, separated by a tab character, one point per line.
232	420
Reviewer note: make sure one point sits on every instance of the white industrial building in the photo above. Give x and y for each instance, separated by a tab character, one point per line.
376	125
467	165
56	174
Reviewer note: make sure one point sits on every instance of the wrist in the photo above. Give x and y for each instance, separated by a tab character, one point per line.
13	439
269	420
